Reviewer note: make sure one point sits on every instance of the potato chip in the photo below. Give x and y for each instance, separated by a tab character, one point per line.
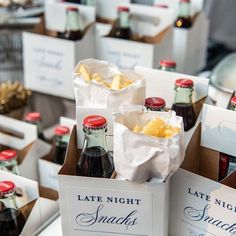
84	72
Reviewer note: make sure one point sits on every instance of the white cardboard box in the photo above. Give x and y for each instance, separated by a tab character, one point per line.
36	208
48	170
49	61
161	84
128	53
199	204
95	206
219	129
190	45
28	147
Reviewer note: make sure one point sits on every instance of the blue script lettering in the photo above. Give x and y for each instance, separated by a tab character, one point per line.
194	214
89	219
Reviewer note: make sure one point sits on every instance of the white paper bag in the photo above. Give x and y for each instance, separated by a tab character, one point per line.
95	94
138	157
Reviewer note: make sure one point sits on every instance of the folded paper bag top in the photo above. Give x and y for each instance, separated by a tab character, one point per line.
139	157
102	84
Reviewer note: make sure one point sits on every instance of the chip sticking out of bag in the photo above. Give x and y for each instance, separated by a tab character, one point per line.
157	128
84	72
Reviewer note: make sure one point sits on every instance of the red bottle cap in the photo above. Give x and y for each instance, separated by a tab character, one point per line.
167	63
33	116
184	83
123	8
161	5
61	130
155	102
7	155
94	121
72	9
6	186
233	101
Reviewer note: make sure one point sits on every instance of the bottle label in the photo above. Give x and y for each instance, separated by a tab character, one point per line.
124	19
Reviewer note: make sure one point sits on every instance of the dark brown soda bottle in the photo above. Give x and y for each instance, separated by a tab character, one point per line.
183	102
95	160
227	163
155	104
61	138
73	28
12	219
122	30
35	119
184	20
167	65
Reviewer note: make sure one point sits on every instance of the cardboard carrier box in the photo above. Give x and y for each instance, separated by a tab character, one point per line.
48	60
152	39
95	206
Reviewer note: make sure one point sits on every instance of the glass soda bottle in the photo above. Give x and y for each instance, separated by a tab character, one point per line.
89	2
8	161
12	219
184	18
183	105
35	119
227	163
155	104
73	29
61	140
122	30
95	159
167	65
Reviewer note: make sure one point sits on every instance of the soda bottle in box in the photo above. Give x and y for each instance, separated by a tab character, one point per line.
167	65
35	119
12	219
73	29
184	20
227	163
95	160
122	29
155	104
89	2
8	161
61	140
183	105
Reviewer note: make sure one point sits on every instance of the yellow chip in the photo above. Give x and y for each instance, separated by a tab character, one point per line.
116	82
151	128
97	77
84	73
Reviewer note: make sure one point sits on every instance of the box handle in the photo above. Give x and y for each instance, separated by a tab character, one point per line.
227	130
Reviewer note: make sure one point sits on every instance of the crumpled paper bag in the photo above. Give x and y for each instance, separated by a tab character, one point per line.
95	94
139	157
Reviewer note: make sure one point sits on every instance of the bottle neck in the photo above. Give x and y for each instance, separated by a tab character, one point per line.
184	9
9	201
73	21
95	138
232	107
10	166
183	95
124	19
61	140
89	2
164	68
